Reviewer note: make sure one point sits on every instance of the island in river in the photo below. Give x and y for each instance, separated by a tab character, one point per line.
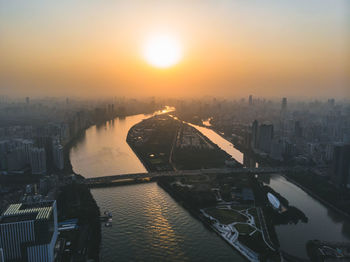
234	206
165	143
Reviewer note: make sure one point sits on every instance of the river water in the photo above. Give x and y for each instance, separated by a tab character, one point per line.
148	225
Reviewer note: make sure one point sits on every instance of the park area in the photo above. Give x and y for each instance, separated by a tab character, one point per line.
226	216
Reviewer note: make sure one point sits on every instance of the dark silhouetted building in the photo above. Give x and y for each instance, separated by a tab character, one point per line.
341	166
298	131
284	104
255	131
265	137
331	102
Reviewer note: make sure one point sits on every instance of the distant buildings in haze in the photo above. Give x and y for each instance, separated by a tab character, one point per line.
284	104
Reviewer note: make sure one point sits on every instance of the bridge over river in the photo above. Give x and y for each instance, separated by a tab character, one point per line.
210	171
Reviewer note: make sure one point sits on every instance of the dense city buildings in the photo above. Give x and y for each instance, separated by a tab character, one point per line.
174	131
309	138
28	232
33	135
289	131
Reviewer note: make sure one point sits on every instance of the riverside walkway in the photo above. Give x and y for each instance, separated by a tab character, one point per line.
210	171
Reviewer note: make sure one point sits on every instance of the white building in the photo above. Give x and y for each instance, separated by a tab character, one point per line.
28	232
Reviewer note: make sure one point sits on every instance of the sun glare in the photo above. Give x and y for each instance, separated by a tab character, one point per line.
162	51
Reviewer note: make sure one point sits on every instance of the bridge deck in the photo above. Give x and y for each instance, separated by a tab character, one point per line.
211	171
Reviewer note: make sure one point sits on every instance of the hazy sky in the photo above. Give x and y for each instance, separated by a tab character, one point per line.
230	48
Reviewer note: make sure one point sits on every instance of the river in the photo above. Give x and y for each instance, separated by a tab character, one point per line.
323	223
148	225
103	150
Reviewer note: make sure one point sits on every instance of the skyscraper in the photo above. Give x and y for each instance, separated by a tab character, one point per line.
341	166
265	137
58	157
298	131
28	145
255	130
38	161
284	104
250	100
28	232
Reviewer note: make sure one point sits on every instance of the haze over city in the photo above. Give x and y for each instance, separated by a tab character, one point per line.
189	130
223	48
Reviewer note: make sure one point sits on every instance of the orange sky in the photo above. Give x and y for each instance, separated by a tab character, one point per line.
231	48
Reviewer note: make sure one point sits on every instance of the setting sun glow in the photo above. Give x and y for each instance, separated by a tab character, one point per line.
162	51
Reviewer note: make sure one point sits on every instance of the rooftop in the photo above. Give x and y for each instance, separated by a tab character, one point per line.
22	212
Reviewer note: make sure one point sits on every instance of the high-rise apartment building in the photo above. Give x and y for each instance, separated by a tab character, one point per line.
27	147
58	156
265	137
38	161
255	131
341	165
28	232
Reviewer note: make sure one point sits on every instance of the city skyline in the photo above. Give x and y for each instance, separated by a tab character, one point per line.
160	130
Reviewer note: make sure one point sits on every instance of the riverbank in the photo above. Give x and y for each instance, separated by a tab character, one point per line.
315	196
75	201
147	167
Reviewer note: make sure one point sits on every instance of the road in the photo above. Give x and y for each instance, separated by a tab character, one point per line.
211	171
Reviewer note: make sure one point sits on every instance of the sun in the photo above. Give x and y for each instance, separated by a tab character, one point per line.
162	51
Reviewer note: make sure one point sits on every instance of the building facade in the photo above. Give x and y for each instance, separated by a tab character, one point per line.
38	161
28	232
341	165
265	137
